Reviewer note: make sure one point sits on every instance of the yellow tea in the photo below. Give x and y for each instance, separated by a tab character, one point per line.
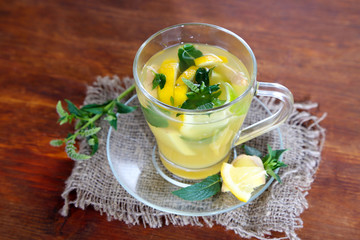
195	77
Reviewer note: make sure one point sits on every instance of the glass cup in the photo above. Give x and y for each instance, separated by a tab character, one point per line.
193	144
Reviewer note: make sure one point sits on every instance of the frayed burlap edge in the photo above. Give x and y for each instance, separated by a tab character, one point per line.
134	212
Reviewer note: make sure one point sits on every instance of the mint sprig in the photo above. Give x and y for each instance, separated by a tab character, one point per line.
159	80
203	75
201	96
271	160
86	118
187	54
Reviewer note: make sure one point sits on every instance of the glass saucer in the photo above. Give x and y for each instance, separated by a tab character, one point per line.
132	156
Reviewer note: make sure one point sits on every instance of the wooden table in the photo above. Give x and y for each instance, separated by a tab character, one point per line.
51	50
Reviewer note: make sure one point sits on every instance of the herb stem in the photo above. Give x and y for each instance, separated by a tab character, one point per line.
106	108
126	92
87	116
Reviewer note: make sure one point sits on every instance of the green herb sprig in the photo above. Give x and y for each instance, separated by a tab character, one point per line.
202	190
159	80
86	118
212	184
271	160
201	96
187	54
203	75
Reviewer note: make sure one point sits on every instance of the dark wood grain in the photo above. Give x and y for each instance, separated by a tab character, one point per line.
50	50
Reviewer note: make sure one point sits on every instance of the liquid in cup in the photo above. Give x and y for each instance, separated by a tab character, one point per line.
194	143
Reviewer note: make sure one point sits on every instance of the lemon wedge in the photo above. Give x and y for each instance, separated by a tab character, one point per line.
247	161
236	78
209	60
181	89
169	68
241	181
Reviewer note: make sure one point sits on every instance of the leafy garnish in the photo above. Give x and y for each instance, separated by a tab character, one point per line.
252	151
271	160
159	80
187	55
201	96
192	86
202	190
212	184
86	118
203	75
153	118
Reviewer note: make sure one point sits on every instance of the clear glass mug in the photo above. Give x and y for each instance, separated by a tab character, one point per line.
193	144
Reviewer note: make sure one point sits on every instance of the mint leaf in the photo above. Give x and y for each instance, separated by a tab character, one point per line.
202	190
202	76
271	162
95	108
89	132
159	80
201	97
217	102
206	106
193	87
122	108
187	54
73	109
154	118
252	151
93	142
60	110
112	119
72	153
270	172
56	142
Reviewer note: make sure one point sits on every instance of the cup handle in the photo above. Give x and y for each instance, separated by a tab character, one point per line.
279	92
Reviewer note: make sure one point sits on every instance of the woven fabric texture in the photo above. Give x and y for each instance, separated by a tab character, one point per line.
277	209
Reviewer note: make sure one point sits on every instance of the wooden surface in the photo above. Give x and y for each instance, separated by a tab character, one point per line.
51	50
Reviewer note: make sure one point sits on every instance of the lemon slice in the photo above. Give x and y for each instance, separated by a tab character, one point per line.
247	161
241	181
181	89
235	77
170	69
209	60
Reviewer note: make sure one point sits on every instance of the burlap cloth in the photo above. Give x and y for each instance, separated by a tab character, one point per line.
277	209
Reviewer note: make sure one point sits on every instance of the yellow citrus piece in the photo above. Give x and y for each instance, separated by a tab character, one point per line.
169	68
181	89
236	78
241	181
223	58
246	161
209	60
172	139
